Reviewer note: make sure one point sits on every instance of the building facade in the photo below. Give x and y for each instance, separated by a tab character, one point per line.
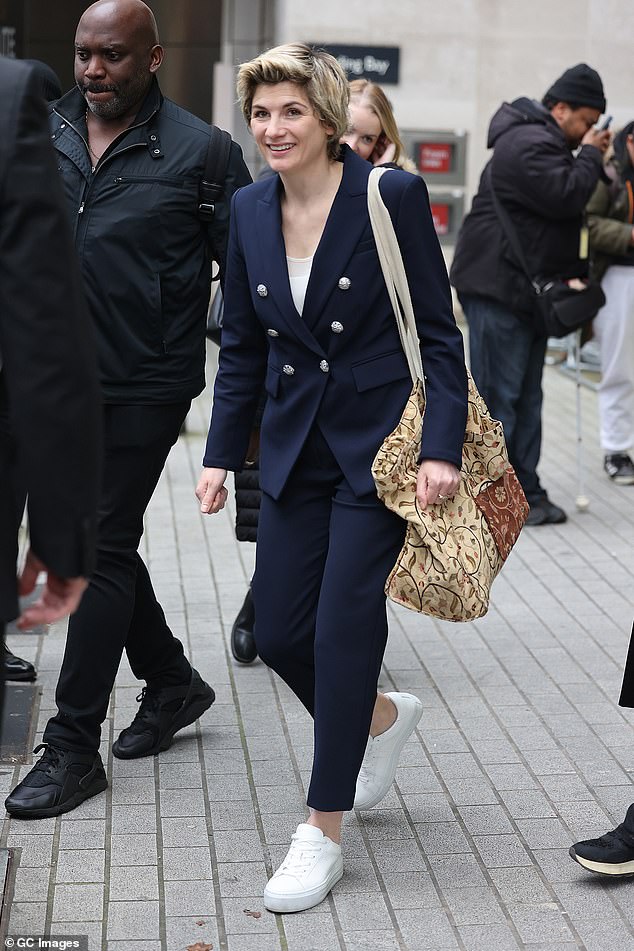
455	61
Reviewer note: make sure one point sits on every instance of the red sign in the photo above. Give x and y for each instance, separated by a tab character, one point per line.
435	158
440	214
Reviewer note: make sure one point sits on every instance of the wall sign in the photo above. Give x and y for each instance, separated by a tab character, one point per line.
435	158
378	63
8	41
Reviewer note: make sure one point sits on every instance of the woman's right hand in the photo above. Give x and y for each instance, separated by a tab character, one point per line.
211	492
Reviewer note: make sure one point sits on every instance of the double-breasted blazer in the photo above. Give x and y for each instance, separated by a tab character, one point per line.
340	364
50	420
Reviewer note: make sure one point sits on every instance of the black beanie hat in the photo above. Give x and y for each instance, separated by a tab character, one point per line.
580	85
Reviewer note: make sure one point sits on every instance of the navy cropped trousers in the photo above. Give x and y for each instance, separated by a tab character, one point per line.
322	559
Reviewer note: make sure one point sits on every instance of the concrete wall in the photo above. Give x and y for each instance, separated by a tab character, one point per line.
461	58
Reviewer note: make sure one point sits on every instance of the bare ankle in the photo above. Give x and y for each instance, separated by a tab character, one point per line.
328	822
384	715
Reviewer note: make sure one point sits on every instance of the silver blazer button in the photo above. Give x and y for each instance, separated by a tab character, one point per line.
344	283
272	333
323	366
336	327
288	369
262	290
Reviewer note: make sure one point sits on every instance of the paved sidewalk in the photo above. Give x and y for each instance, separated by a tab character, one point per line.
521	750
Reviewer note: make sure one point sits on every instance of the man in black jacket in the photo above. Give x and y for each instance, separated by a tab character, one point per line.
131	162
50	423
544	188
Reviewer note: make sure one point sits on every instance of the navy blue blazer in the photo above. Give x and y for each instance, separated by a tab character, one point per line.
340	364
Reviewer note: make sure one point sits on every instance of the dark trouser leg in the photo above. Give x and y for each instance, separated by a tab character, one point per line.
323	557
507	360
2	633
119	606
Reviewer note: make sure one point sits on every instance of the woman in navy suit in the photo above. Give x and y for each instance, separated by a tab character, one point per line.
307	314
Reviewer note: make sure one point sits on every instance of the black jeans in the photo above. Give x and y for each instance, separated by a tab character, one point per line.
119	609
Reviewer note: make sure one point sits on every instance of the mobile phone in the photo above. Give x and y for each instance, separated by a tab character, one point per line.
605	124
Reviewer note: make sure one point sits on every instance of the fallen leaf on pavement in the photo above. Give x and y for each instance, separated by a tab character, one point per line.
252	914
200	923
199	946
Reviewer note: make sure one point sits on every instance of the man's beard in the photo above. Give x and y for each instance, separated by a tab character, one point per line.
122	100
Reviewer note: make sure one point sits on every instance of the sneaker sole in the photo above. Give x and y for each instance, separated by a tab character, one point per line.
287	904
72	803
622	869
194	711
415	716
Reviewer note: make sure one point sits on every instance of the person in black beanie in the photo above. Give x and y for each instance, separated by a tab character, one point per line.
544	189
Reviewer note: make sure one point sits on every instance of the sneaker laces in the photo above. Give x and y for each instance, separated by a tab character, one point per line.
51	757
301	856
621	835
367	766
150	704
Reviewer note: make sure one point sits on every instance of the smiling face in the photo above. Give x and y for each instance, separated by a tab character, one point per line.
364	131
289	134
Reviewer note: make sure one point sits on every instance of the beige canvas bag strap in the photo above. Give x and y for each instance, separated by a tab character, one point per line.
394	275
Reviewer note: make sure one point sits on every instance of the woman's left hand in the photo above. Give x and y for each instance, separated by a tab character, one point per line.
437	480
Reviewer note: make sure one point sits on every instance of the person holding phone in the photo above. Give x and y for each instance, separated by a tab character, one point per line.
547	159
372	132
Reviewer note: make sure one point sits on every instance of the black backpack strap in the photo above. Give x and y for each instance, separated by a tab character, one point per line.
509	230
213	181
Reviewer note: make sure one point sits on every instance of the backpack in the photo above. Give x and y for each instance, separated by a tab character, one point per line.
212	183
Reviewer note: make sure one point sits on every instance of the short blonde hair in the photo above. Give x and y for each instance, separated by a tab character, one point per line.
316	71
363	92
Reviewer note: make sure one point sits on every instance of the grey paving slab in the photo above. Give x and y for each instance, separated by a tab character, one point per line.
521	749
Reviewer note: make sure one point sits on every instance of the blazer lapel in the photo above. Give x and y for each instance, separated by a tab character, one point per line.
346	222
274	265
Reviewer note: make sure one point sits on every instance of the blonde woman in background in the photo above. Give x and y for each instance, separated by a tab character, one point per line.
373	133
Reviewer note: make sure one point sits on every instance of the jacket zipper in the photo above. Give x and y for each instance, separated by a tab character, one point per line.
98	167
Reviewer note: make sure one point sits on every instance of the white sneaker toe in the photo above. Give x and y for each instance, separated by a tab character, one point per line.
313	865
382	752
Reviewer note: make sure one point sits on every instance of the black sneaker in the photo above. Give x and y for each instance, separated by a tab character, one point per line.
59	782
612	854
545	512
162	714
620	468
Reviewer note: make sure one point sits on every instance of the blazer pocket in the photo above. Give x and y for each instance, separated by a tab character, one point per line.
272	381
368	244
377	371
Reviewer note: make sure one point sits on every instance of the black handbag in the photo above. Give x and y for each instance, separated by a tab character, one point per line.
556	308
560	310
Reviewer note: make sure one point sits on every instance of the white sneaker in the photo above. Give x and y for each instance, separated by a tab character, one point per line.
313	864
378	768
